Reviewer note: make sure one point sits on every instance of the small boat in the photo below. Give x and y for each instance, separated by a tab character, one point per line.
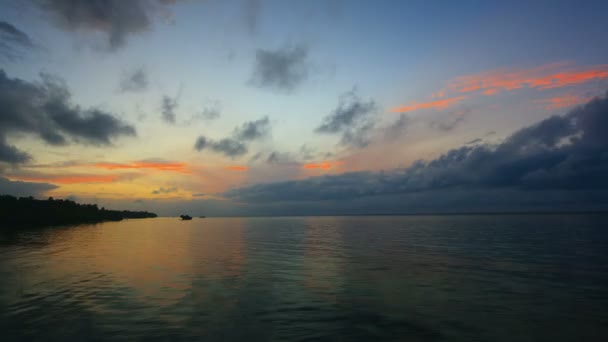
185	217
202	216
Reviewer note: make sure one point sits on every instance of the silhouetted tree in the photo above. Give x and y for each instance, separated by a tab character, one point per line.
25	211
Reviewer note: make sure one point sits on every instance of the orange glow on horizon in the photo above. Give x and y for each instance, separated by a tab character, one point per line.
438	104
160	166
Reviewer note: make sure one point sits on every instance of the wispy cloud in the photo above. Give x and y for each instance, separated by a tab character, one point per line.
352	118
13	42
168	105
236	144
67	179
544	77
162	190
562	101
153	165
322	166
437	104
134	81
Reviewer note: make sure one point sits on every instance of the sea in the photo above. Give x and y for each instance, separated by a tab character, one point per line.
360	278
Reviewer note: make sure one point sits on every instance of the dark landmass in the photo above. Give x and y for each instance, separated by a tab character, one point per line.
28	211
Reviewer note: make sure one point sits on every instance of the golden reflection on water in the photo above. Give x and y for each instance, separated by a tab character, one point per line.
155	260
323	263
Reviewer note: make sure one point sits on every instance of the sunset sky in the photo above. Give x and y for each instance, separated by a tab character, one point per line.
261	107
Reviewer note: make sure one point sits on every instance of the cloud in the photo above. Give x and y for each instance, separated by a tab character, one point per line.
115	19
24	189
322	166
437	104
236	144
276	157
162	190
252	130
44	109
11	154
447	123
168	106
251	13
13	41
158	165
134	81
562	101
282	70
67	179
560	153
541	78
352	119
211	111
397	128
474	141
227	146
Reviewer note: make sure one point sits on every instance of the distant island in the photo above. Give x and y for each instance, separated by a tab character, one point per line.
28	211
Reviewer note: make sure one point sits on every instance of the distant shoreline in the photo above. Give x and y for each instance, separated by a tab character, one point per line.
30	212
506	213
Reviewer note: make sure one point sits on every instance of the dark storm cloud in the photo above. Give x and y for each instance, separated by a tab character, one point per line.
134	81
168	106
561	153
44	109
117	19
11	154
352	118
236	144
24	189
283	69
13	41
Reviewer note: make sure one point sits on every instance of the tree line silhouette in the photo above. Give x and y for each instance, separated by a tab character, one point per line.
28	211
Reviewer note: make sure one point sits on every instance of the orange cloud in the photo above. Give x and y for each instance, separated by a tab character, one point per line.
438	94
438	104
154	165
563	101
544	77
72	179
236	168
323	166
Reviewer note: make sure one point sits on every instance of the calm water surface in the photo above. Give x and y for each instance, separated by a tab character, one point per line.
416	278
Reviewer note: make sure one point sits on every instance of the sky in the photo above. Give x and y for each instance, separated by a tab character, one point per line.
262	107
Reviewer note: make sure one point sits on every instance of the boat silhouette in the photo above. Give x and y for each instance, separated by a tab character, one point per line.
185	217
